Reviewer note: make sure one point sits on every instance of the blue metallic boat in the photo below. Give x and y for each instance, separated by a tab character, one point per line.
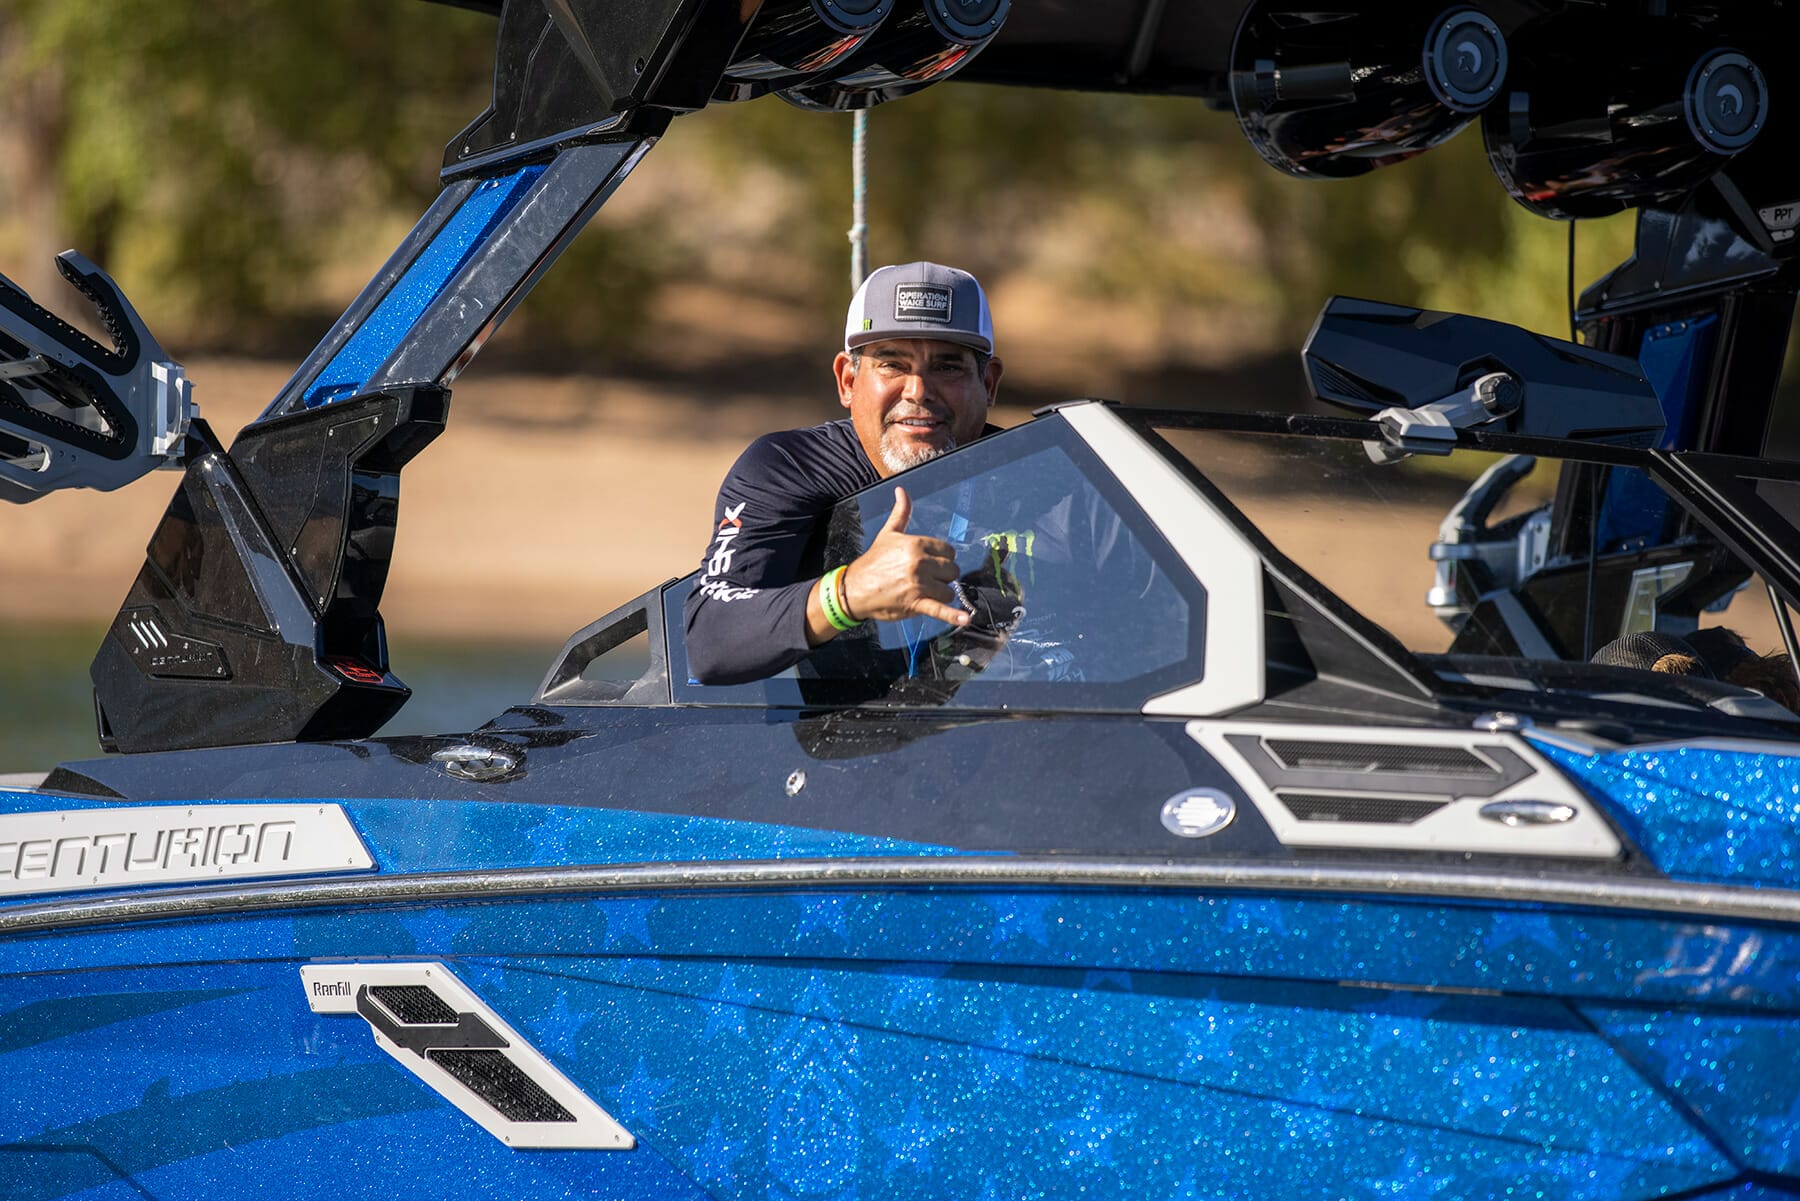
1197	868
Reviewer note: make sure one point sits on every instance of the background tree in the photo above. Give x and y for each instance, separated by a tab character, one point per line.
241	168
214	149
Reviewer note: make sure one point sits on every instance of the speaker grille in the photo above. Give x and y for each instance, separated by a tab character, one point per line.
494	1078
413	1004
1371	810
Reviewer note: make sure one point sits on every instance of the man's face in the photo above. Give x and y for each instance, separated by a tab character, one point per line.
913	399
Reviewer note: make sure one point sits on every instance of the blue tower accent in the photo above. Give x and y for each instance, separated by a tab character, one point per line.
484	212
1673	357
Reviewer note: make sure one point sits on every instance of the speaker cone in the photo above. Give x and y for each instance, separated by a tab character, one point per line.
925	42
1329	91
1725	101
1644	121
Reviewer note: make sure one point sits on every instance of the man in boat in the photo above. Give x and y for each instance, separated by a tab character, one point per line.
917	374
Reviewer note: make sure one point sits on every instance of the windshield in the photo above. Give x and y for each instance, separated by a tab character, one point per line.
1478	560
1078	602
1488	564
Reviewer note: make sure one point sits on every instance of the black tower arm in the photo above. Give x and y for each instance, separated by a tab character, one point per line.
1706	300
256	614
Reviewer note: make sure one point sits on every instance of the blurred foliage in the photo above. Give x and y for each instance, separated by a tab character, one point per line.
218	146
46	701
980	174
240	163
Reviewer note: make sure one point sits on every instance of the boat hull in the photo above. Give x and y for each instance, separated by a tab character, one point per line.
771	1033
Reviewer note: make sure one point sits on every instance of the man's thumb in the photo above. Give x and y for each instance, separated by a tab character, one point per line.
902	513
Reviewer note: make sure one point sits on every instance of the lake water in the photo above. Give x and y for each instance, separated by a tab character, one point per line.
47	708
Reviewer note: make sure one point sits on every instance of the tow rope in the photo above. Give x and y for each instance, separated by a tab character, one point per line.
859	199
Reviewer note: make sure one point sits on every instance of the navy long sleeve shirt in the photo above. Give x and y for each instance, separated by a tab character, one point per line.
746	619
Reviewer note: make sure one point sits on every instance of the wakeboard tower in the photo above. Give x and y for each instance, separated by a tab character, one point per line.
1192	880
256	615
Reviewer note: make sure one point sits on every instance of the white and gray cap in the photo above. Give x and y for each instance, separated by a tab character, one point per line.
920	300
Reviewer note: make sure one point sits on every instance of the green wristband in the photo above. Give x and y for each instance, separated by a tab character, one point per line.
833	603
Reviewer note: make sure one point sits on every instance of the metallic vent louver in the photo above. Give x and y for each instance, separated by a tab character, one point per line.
1379	757
1380	810
435	1027
1478	792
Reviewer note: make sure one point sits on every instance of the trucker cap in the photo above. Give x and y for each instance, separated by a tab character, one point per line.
1650	650
920	300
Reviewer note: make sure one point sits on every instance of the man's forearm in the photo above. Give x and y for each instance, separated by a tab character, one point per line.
756	633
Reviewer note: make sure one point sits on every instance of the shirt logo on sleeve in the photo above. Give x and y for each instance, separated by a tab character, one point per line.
729	529
720	562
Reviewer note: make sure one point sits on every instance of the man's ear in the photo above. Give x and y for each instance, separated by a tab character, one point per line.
991	380
844	370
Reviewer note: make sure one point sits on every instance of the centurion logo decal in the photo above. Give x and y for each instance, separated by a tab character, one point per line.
116	846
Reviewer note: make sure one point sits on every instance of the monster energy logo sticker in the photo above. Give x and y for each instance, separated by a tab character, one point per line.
113	846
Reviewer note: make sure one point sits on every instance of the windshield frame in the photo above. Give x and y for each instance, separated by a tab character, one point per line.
1713	489
1708	485
794	689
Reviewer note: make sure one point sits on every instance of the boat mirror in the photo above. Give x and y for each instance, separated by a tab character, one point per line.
1375	358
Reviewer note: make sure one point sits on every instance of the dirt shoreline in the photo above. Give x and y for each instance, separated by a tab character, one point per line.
552	499
547	502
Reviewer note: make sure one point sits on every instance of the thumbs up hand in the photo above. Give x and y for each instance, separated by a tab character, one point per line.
903	575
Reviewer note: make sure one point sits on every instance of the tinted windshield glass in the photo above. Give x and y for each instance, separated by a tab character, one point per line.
1474	559
1361	530
1078	602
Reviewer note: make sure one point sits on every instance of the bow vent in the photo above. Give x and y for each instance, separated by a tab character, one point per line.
435	1028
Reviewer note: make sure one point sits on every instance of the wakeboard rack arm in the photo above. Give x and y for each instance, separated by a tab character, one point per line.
75	413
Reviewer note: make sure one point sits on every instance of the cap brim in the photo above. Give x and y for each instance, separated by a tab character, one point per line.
955	336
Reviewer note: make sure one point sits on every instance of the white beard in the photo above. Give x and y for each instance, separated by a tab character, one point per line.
897	460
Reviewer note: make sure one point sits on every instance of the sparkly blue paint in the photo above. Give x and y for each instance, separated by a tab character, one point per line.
918	1042
1736	1071
234	1095
424	835
912	1080
830	1073
1701	813
445	836
1584	956
395	314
